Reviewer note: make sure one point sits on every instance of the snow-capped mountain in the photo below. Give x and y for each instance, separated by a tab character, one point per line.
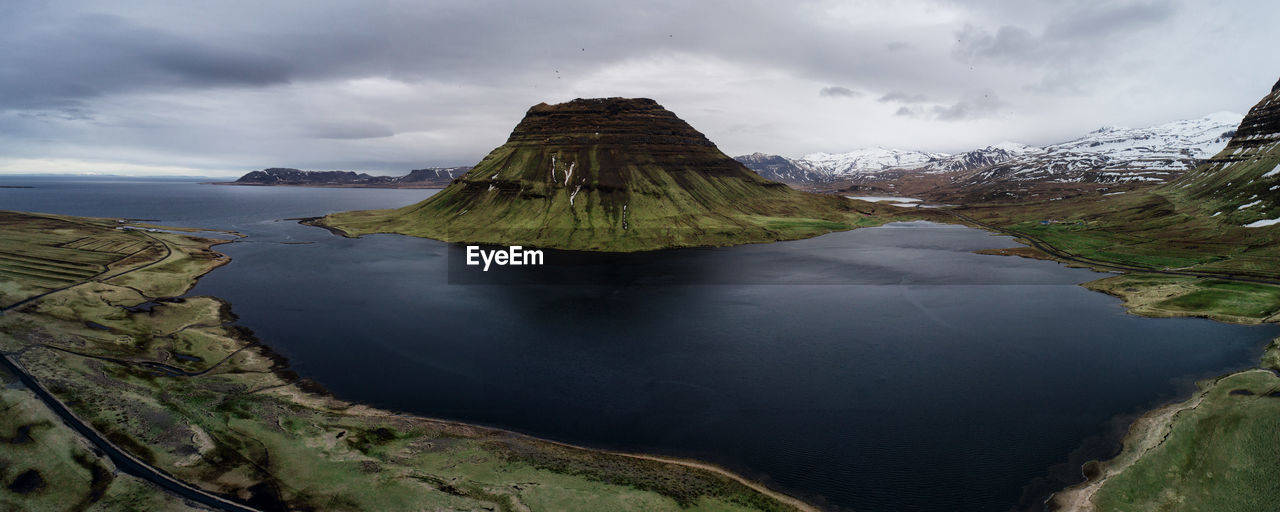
868	161
1113	154
989	155
1106	155
782	169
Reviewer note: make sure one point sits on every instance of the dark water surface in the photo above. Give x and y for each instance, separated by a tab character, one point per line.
925	378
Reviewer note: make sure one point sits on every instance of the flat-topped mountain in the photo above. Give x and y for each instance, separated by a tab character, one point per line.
610	174
433	177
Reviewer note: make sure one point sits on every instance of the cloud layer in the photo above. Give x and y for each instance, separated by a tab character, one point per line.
227	87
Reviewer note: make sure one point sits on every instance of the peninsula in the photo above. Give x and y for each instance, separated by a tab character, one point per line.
612	174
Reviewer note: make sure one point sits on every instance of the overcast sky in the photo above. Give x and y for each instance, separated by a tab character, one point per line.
225	87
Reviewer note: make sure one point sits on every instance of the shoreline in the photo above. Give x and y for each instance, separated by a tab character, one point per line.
315	390
310	389
1146	434
1151	429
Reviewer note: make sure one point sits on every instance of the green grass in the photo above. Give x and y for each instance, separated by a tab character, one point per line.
74	478
1221	455
1155	229
1228	298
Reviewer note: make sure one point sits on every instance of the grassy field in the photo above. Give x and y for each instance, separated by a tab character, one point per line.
46	466
1157	230
1159	295
180	387
1220	454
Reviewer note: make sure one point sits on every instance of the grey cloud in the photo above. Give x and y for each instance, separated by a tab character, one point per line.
349	130
903	97
1008	42
1108	19
208	66
973	107
909	111
836	91
1078	33
969	108
242	81
55	62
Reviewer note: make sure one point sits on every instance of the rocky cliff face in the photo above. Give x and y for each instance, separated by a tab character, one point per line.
610	174
1241	184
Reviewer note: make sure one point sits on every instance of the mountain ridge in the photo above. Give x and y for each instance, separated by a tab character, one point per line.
431	177
1109	154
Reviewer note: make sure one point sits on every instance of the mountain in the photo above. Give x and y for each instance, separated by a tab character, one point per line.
783	169
978	158
1240	185
1111	154
433	177
868	161
610	174
441	176
286	176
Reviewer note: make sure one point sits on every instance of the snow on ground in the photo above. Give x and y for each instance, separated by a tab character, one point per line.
877	199
1262	223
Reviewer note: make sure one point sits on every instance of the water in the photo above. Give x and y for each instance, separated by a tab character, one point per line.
878	369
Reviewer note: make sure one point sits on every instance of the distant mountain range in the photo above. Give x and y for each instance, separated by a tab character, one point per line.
1107	155
432	177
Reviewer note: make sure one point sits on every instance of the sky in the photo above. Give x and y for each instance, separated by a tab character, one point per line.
223	88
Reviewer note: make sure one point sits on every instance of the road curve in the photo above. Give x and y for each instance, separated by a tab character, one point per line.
124	461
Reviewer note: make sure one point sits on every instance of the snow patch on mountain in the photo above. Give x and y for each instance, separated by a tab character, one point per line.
1118	154
869	160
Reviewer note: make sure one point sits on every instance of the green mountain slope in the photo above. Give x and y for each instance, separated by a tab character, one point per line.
1241	184
1218	219
611	174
